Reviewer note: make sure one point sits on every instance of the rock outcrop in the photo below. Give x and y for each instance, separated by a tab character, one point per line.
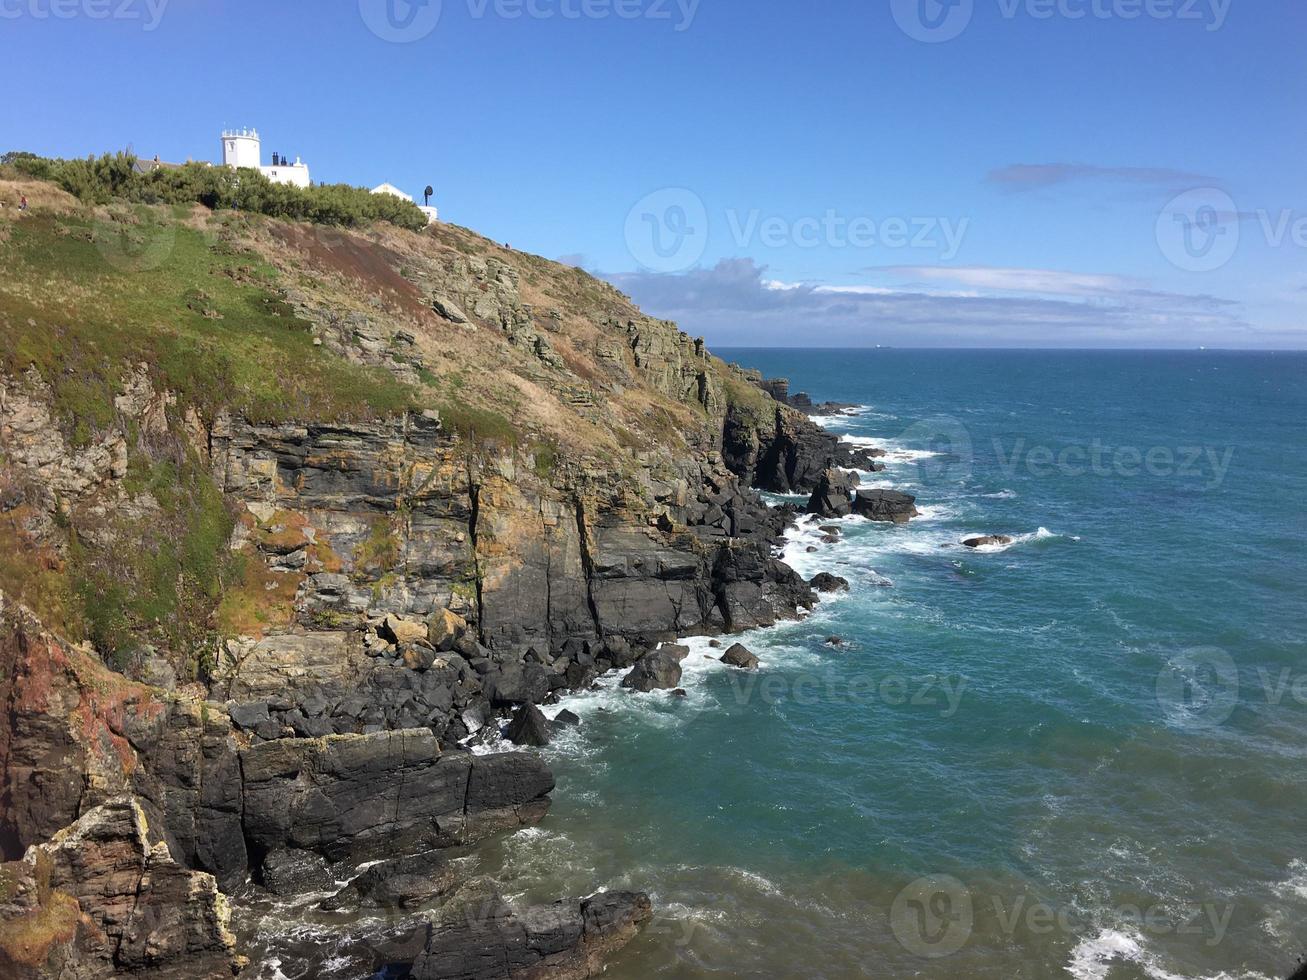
833	495
479	936
891	506
104	897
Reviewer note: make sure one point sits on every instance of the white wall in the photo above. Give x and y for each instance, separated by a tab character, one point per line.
241	151
297	174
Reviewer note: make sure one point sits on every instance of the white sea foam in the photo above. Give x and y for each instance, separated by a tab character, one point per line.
1043	534
1001	495
1095	957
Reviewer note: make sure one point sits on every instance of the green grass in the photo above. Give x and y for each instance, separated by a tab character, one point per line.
157	578
86	300
477	424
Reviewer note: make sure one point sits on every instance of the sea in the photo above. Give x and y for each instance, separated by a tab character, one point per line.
1081	753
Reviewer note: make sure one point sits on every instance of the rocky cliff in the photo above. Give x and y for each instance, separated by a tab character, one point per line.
287	514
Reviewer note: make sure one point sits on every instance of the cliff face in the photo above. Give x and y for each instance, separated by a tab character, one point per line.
323	505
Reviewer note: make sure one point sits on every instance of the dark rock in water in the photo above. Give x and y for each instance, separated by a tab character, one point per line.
885	505
715	644
831	497
289	872
568	718
830	529
364	796
834	641
400	883
990	539
812	549
677	653
660	670
680	692
517	683
479	936
528	727
826	582
740	656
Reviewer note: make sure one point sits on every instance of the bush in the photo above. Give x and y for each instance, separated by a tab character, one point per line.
113	177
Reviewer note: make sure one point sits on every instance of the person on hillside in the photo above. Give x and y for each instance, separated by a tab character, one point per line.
22	205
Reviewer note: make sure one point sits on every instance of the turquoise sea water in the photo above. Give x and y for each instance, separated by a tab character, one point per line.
1082	755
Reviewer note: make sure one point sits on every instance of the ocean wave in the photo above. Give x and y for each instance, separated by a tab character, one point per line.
1043	534
1095	957
1000	495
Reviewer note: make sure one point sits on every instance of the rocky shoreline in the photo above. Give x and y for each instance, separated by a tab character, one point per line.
401	588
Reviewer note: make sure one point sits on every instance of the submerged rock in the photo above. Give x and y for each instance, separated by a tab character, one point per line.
988	540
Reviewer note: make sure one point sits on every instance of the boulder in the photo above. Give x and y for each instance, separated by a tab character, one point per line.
289	872
402	632
400	883
515	683
826	582
831	496
567	718
528	727
444	629
740	656
891	506
659	671
988	540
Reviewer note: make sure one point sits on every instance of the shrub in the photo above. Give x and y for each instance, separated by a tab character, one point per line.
113	177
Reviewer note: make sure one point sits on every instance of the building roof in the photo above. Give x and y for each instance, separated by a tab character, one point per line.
393	191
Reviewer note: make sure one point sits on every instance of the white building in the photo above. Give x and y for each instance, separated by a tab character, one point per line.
242	148
432	214
393	191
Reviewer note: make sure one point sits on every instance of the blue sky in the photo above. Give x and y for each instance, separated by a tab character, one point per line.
1126	173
